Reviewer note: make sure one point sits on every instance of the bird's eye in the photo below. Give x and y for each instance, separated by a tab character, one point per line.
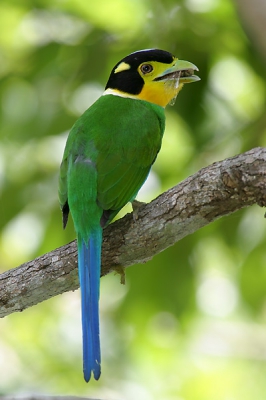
146	68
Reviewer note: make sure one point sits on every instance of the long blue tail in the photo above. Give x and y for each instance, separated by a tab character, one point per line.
89	263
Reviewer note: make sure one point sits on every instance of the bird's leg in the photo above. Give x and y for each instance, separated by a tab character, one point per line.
121	271
137	205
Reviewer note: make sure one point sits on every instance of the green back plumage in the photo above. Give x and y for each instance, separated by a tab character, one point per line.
116	140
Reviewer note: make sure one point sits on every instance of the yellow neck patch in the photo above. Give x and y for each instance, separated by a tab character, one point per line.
160	93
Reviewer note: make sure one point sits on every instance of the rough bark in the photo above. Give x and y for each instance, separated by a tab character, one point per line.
217	190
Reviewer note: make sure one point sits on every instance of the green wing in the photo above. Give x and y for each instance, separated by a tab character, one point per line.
126	156
120	183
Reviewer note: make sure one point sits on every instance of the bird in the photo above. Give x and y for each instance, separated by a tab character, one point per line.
107	158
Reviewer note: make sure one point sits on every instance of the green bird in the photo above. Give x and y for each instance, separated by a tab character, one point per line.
107	158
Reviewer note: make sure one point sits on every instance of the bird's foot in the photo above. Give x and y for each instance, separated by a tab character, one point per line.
121	271
137	205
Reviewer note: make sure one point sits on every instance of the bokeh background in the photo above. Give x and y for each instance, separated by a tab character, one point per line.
191	323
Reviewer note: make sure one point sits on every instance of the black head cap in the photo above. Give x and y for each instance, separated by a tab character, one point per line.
129	80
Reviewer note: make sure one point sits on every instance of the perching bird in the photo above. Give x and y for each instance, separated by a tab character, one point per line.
107	158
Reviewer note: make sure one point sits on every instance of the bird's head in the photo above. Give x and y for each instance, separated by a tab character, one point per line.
152	75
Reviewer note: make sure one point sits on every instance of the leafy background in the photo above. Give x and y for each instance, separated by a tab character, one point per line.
190	324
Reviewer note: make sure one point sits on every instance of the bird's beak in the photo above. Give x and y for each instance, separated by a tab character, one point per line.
182	70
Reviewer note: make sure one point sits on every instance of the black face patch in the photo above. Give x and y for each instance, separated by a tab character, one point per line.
129	80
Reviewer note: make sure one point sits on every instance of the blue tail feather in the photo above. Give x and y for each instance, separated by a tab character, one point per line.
89	262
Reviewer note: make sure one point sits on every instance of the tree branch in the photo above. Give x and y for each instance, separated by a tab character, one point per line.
217	190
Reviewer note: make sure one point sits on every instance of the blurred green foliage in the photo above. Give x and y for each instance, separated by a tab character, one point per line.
190	324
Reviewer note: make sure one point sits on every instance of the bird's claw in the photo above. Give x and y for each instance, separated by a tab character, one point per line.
121	271
137	205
